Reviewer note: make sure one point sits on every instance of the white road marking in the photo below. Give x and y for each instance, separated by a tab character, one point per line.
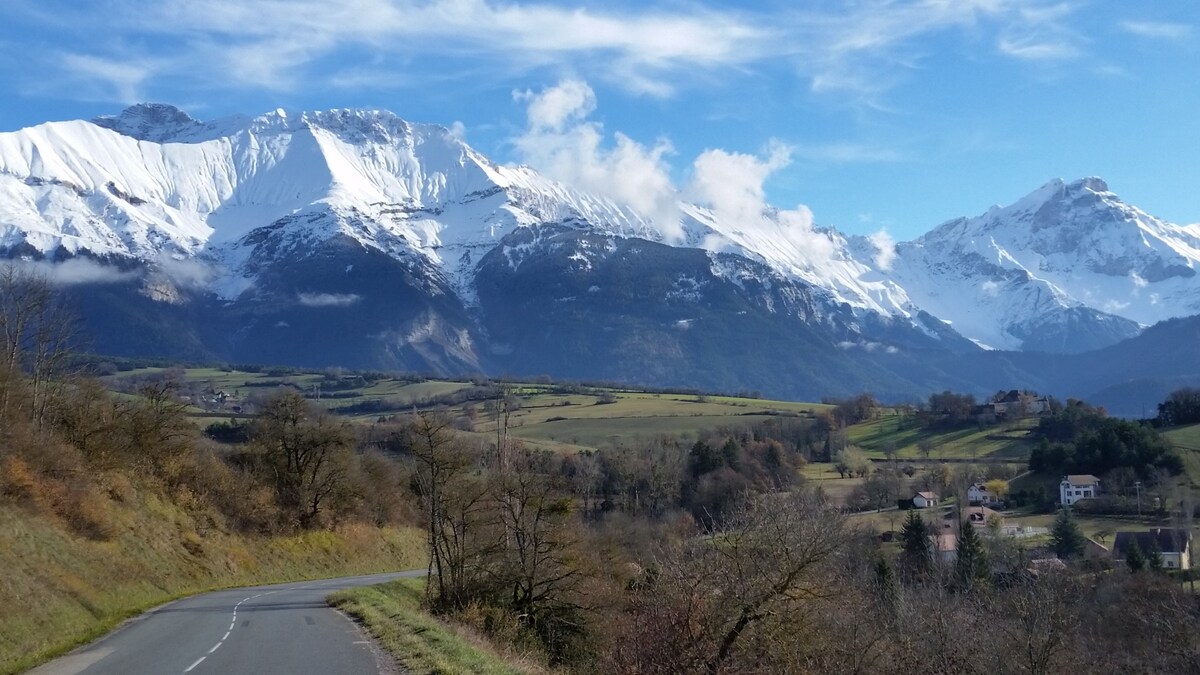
232	625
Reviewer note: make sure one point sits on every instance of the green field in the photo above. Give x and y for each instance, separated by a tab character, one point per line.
1185	438
587	423
1006	442
545	417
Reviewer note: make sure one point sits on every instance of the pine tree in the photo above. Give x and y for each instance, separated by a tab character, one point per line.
886	586
1134	557
1154	561
970	563
1066	539
914	536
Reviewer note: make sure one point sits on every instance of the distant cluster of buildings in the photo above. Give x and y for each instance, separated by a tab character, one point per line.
1173	545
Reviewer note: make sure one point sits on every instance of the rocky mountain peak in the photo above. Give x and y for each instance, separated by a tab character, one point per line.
156	122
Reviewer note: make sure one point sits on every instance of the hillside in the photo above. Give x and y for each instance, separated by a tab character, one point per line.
60	588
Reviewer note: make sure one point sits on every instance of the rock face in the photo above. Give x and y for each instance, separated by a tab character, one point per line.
353	237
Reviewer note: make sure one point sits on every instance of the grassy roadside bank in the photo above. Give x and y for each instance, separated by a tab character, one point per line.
59	590
424	644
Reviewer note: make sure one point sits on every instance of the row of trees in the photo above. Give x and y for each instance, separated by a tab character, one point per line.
1182	406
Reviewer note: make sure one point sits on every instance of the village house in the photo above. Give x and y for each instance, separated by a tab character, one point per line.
978	494
980	516
924	500
1077	486
1016	404
1174	546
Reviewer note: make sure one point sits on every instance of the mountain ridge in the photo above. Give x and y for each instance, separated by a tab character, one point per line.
217	212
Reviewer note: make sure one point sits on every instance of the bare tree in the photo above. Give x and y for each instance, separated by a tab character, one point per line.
456	507
1040	620
737	589
36	333
539	566
306	452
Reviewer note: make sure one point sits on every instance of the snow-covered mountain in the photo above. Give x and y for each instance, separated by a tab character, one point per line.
1069	267
283	236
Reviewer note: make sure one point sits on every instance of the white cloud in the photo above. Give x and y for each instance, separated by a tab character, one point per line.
1160	30
1137	281
991	288
565	144
100	77
75	271
1113	306
1033	49
885	248
550	110
266	43
562	143
186	272
327	299
731	184
859	48
846	153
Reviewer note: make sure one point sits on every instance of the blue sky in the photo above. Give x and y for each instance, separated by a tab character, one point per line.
874	114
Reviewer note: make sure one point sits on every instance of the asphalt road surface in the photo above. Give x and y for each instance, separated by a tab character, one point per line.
260	630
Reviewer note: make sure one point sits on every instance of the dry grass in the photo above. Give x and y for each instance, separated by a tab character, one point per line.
60	589
424	644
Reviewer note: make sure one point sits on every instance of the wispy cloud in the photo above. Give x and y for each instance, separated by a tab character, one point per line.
1161	30
866	48
862	48
1034	49
846	153
327	299
76	271
265	42
107	78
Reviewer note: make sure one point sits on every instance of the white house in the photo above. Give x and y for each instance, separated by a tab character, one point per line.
1076	487
978	493
924	500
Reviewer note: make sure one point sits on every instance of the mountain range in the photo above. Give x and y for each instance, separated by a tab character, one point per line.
355	238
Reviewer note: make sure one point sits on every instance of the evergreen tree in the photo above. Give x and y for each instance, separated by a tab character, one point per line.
1066	539
1154	561
970	563
914	537
886	586
1134	557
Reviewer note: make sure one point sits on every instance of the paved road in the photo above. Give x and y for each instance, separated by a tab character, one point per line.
261	630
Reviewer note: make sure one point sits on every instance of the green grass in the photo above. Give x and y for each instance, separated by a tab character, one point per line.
1185	438
554	421
1002	442
421	643
584	423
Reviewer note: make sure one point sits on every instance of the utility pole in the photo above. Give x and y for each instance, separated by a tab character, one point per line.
1137	485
